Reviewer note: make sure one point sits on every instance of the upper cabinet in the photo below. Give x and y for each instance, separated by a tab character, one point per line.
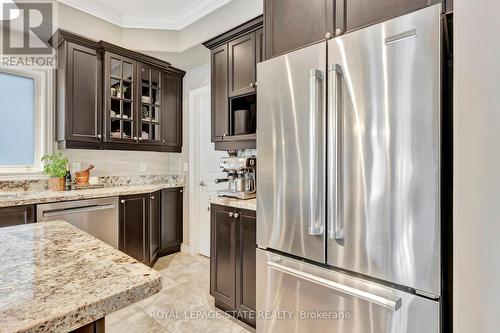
234	58
109	97
292	24
79	102
354	14
242	65
120	81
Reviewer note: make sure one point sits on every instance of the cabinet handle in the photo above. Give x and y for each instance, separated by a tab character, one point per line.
328	35
99	137
122	201
181	191
339	31
231	214
152	197
135	138
236	215
252	85
140	138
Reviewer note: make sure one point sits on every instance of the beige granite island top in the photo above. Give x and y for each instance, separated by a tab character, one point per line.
250	204
56	278
36	197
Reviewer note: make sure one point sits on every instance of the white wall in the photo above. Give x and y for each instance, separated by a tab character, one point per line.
476	210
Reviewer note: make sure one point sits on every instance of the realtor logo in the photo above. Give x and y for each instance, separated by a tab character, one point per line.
26	30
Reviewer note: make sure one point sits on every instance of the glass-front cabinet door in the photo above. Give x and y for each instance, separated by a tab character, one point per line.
150	115
121	101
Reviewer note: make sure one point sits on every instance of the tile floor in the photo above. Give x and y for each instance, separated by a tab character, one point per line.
183	305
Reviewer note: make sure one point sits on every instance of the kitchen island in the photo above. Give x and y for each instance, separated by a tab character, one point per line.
56	278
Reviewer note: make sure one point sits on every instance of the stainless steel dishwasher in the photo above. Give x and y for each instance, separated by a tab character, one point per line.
98	217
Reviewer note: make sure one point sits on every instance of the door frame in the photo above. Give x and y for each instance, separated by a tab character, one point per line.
194	167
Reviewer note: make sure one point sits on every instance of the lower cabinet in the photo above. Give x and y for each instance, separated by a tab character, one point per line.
11	216
232	261
171	221
151	225
134	226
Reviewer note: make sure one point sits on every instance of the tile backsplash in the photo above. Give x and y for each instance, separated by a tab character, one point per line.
125	163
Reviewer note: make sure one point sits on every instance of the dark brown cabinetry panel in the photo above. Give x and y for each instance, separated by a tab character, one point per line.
11	216
292	24
232	261
154	226
353	14
242	65
134	226
259	44
234	56
223	256
171	221
220	113
109	97
79	96
246	275
172	111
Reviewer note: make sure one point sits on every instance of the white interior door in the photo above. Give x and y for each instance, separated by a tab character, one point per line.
206	166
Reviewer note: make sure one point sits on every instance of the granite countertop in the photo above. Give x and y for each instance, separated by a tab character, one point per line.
56	278
250	204
9	199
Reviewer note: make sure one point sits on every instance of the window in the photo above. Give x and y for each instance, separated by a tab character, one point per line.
23	121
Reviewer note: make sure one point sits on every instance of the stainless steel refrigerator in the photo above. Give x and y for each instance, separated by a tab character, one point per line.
348	213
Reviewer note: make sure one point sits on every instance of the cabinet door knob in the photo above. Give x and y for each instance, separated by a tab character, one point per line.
122	201
181	191
252	85
339	32
140	138
99	136
231	214
152	197
225	134
135	138
328	35
236	215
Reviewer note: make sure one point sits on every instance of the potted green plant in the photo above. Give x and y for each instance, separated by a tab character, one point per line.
55	168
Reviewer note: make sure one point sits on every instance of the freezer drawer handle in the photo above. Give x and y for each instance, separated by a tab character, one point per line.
85	209
316	221
334	171
392	304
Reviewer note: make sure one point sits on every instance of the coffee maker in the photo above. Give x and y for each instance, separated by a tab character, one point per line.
240	177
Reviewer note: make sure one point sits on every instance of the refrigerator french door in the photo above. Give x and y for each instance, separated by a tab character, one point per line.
349	179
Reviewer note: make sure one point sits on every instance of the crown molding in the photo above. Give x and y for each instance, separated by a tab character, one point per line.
187	16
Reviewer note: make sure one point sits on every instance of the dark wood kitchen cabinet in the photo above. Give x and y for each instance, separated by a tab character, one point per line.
171	221
79	92
354	14
245	264
109	97
292	24
232	260
172	110
220	105
17	215
154	226
234	58
242	65
133	226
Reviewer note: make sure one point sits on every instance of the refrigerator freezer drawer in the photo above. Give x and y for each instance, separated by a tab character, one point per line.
293	296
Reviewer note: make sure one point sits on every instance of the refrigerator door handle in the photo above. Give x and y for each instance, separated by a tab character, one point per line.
334	171
392	303
316	186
